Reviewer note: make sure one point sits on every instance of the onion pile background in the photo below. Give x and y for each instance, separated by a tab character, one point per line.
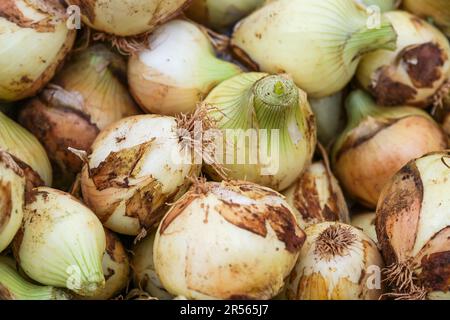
224	149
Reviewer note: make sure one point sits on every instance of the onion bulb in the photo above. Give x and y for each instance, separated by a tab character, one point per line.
137	165
221	14
415	71
319	43
34	40
437	10
383	5
229	240
61	242
12	198
14	287
88	94
317	197
267	129
177	70
128	18
413	229
366	222
379	141
337	262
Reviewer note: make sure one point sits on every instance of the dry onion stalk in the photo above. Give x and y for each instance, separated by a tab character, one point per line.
437	10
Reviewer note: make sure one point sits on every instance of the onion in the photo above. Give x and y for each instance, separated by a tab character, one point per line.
415	71
319	43
268	131
366	222
383	5
61	242
86	96
337	262
317	197
137	165
14	287
229	240
221	14
413	229
128	18
377	142
12	198
437	10
177	70
441	110
34	40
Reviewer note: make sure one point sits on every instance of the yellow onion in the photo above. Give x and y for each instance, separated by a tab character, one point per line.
128	18
61	242
34	40
383	5
415	71
221	14
437	10
317	197
229	240
88	94
366	222
12	198
267	130
177	70
319	43
379	141
14	287
144	274
137	165
413	229
27	151
337	262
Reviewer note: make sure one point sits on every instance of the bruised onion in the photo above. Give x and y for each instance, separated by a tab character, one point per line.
437	10
229	240
379	141
415	71
337	262
366	222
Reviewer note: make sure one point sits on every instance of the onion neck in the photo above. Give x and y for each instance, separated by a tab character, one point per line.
360	105
215	70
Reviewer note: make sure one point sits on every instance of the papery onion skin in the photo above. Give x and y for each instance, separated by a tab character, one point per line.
300	38
32	47
128	18
177	70
437	10
137	165
61	242
415	71
366	222
337	262
377	142
229	240
317	197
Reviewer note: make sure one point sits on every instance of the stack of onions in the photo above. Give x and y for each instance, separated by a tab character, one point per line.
319	43
34	40
415	71
366	222
437	10
177	70
413	229
88	94
377	142
229	240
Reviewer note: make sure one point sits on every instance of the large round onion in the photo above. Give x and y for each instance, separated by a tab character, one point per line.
34	40
229	240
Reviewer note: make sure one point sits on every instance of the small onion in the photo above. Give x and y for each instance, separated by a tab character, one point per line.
415	71
437	10
229	240
366	222
177	70
413	229
61	242
377	142
337	262
34	40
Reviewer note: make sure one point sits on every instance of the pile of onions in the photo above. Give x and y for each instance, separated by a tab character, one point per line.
88	94
229	240
437	10
415	71
337	262
319	43
379	141
34	40
413	229
61	242
268	131
177	70
366	222
128	18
